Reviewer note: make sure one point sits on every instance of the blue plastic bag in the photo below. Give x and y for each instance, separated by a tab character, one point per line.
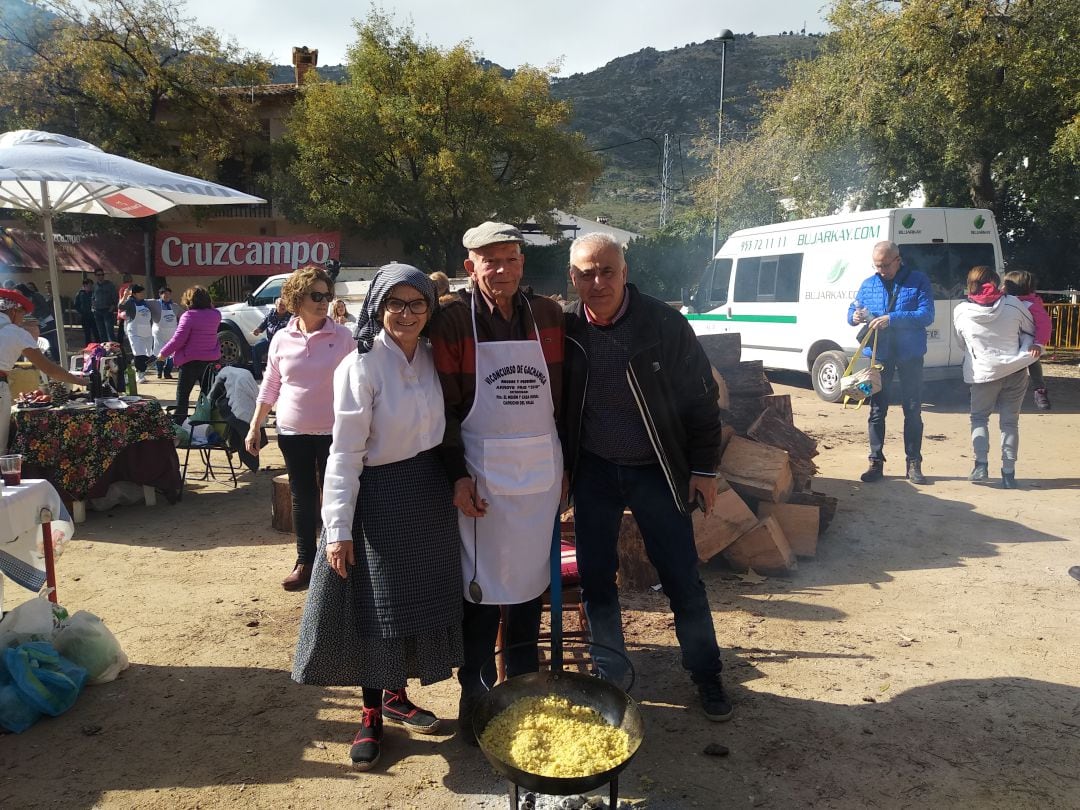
36	680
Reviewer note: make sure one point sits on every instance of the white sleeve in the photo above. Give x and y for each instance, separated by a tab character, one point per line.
354	397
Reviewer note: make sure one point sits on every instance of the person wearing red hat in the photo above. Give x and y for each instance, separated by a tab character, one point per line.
16	341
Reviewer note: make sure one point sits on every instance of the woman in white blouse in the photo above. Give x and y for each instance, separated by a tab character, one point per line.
384	603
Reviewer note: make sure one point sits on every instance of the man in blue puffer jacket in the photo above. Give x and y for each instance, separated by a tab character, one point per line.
898	302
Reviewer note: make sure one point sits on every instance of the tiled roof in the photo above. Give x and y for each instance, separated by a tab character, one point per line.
260	90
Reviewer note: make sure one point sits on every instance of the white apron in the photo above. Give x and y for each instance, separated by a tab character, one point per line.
164	329
512	450
140	331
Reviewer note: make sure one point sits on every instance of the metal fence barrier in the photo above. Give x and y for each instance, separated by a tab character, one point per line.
1066	326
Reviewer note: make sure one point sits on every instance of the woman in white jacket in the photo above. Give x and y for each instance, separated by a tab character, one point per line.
998	335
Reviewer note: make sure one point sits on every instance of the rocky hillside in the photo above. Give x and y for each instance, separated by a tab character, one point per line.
649	93
625	107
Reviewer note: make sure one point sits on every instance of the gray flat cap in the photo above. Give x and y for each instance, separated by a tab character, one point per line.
491	233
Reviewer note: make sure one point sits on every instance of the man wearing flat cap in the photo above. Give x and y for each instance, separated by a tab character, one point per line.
499	352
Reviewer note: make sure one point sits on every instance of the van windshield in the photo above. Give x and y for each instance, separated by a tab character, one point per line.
947	265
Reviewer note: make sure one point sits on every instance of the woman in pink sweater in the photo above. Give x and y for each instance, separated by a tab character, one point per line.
193	346
299	381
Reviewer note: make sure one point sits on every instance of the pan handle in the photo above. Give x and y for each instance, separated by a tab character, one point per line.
620	653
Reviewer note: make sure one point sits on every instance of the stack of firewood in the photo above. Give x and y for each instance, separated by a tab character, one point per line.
766	513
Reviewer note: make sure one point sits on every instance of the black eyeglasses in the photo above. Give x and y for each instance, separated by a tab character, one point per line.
319	297
395	306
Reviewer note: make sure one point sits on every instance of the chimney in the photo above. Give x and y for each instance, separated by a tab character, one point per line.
303	60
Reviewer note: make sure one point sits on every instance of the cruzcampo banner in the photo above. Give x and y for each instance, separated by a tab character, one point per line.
23	251
202	254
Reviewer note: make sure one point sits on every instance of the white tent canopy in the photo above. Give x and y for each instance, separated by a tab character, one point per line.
53	174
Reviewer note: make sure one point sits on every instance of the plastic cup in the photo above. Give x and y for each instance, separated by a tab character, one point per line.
11	469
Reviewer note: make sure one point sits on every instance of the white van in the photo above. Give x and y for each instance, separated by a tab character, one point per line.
786	287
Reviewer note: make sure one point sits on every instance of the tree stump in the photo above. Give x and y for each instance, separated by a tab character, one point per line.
281	505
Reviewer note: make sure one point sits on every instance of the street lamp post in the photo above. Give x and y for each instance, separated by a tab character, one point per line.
725	37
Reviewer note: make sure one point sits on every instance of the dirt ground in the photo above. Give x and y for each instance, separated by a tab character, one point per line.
926	658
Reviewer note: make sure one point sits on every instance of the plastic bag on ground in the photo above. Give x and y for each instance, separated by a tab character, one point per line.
36	680
33	620
85	640
119	493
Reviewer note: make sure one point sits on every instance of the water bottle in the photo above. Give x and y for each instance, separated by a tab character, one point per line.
132	386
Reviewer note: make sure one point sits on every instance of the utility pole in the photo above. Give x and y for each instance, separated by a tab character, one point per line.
725	37
665	183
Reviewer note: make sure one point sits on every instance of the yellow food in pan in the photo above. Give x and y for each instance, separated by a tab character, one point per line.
550	736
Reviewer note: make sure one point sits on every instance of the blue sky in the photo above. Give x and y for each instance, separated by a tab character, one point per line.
583	34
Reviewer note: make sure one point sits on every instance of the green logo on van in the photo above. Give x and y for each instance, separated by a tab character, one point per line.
838	270
908	221
979	221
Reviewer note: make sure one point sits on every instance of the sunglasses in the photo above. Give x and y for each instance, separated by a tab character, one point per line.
319	297
395	306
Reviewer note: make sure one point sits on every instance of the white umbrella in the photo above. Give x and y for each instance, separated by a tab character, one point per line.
54	174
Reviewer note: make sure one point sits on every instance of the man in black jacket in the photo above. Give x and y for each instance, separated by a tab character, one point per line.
642	431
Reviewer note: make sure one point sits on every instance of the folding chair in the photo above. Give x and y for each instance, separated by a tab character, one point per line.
205	449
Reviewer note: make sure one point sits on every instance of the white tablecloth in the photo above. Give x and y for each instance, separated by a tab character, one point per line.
21	553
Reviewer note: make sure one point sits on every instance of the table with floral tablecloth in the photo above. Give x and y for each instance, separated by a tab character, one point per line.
82	451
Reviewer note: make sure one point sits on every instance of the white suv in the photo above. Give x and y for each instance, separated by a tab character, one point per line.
238	321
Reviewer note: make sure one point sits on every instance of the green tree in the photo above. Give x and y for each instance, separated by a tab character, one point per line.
421	144
975	102
135	77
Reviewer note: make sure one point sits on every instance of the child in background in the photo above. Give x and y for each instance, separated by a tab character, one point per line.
1022	284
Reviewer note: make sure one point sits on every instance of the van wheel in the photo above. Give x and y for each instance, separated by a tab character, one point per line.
234	351
826	374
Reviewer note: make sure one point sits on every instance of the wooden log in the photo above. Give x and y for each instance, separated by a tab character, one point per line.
636	573
722	398
773	430
281	504
757	470
802	470
741	413
826	506
799	523
722	349
726	432
764	548
731	519
746	379
780	404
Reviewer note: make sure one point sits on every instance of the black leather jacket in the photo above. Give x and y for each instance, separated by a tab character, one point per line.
672	385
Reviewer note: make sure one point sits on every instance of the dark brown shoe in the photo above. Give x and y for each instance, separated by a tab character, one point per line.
875	472
299	579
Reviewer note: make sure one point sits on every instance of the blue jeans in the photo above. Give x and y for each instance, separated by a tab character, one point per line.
602	490
910	373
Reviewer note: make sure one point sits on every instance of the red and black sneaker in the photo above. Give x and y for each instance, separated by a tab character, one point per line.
365	749
397	708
